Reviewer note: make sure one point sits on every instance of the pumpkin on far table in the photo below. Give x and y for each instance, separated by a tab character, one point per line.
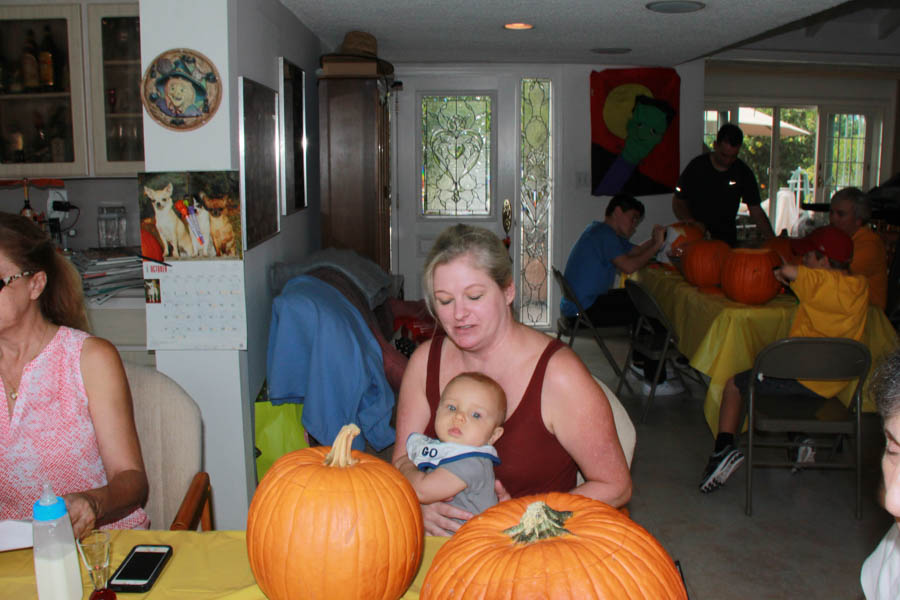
747	275
782	245
552	546
702	262
684	233
328	523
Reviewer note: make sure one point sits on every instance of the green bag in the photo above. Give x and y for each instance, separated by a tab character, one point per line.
279	430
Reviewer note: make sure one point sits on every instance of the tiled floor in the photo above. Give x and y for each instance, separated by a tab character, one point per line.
802	540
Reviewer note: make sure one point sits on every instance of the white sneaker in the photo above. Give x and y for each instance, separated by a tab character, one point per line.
806	454
669	387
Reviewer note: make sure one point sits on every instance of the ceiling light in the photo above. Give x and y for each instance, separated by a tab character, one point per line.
518	26
610	50
675	6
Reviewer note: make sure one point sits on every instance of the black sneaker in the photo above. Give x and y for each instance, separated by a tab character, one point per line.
720	467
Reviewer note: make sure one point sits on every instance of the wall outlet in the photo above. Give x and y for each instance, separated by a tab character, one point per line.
56	195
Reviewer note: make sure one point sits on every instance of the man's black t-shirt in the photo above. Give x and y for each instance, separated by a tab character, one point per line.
714	197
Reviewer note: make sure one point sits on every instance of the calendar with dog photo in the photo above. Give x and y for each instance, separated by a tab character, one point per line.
190	215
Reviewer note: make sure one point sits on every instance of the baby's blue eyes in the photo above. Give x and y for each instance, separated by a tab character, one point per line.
451	408
476	415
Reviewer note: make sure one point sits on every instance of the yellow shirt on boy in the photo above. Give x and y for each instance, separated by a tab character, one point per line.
832	304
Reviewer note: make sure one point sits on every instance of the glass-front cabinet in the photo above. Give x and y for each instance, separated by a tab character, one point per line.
42	126
115	59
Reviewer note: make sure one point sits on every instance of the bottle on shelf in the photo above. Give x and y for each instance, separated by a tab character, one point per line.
17	145
30	77
47	60
41	150
59	134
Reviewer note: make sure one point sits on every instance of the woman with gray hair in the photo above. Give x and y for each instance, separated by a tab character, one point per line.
558	420
850	212
880	577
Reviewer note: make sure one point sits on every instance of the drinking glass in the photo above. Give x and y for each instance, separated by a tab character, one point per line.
95	554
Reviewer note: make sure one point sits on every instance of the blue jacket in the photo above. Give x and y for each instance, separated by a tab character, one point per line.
322	353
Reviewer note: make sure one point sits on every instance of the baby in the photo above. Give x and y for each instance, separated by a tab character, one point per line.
460	463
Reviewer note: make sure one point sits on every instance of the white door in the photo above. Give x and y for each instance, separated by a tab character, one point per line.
846	154
477	156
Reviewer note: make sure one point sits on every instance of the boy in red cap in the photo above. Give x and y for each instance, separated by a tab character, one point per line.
833	303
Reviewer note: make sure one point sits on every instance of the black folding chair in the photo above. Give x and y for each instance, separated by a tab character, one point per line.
570	327
807	359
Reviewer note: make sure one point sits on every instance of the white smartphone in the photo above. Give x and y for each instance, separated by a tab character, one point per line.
140	568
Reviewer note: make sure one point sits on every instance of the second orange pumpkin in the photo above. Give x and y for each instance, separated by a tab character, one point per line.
747	275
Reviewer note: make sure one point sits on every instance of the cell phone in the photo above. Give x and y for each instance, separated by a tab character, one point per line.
140	568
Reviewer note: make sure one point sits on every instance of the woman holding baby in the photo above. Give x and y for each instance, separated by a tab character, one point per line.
68	418
558	420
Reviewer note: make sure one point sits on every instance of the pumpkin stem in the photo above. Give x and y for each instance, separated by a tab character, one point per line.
339	456
539	522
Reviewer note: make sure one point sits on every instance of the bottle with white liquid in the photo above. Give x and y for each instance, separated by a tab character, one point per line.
55	556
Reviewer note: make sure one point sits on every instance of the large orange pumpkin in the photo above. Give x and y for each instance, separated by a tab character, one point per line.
702	262
684	233
553	546
747	275
328	523
782	245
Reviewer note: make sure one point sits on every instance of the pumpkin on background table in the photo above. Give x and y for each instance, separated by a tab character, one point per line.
702	262
331	523
782	245
552	546
747	275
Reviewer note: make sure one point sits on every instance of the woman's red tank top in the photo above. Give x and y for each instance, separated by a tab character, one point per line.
532	461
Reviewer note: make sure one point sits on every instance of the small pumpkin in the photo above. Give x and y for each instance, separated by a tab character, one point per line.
554	546
782	245
681	234
747	275
702	262
331	523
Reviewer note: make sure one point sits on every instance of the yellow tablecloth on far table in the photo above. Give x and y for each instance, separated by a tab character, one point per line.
203	566
721	337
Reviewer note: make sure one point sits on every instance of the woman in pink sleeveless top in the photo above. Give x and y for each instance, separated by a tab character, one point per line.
558	419
68	417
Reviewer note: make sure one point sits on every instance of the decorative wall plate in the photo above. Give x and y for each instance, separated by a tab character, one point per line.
181	89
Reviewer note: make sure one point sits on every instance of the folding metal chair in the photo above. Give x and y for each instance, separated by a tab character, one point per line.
649	340
566	327
810	359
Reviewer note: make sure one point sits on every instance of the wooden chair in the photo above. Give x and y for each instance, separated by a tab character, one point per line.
813	359
565	327
170	430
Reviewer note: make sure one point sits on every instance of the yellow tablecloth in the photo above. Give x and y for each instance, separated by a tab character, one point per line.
203	566
721	337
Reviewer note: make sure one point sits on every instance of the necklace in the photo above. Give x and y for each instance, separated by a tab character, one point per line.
13	395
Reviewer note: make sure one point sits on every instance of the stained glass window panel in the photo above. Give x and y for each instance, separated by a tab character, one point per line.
456	153
536	196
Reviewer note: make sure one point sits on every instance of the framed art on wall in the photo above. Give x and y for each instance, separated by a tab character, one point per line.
259	149
181	89
292	116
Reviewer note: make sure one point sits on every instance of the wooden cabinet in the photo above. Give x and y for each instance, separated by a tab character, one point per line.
45	129
354	139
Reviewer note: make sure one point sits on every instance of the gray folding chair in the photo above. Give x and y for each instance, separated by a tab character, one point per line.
811	359
657	342
570	328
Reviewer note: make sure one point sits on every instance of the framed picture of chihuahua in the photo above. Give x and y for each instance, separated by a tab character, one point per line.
292	116
190	215
259	151
181	89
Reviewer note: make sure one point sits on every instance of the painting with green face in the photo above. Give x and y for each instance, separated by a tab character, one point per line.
634	131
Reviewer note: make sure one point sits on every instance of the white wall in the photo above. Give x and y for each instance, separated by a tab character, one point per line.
241	37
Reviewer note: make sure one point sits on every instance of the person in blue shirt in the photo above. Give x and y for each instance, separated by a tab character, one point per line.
603	251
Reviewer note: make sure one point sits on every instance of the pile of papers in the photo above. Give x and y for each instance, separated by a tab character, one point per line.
106	271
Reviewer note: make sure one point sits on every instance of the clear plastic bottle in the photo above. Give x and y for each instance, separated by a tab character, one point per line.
56	567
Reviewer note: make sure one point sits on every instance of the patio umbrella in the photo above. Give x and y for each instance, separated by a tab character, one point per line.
754	122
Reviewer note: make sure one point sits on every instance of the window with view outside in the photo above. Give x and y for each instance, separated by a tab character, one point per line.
787	172
845	152
535	198
456	156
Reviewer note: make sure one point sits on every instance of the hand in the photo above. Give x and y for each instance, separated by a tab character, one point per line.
438	517
502	494
659	235
785	274
83	511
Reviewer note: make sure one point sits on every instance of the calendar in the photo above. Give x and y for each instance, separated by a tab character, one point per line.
195	305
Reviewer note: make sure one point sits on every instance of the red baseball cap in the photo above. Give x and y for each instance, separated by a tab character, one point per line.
829	240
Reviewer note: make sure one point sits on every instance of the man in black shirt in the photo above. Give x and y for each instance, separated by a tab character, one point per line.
712	187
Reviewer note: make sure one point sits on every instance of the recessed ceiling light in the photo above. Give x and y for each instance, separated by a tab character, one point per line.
518	26
610	50
675	6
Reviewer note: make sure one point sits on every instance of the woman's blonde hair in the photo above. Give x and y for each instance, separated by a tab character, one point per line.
485	249
30	249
